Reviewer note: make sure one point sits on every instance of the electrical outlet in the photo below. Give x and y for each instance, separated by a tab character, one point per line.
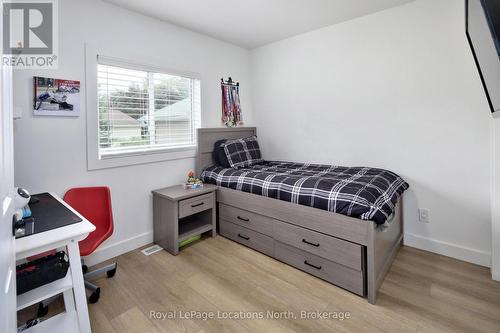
424	215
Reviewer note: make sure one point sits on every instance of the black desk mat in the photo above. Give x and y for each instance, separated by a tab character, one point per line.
48	213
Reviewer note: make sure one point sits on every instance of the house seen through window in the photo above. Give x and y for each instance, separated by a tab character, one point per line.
143	111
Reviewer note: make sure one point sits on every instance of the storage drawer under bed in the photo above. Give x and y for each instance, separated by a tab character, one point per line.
330	271
247	237
246	219
328	247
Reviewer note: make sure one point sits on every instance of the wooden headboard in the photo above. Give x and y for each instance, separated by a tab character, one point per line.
208	136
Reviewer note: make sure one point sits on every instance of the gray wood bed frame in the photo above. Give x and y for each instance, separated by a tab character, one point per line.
345	236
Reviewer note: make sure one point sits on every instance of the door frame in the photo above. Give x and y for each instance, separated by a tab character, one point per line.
8	315
495	200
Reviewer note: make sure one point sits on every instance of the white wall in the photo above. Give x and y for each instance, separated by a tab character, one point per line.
398	90
50	153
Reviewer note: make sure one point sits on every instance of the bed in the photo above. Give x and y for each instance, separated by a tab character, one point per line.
349	240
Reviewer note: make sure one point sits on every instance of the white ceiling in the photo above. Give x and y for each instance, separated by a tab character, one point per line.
252	23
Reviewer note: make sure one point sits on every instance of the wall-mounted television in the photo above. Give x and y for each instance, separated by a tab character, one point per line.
482	22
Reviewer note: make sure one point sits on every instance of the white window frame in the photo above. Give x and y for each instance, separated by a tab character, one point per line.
94	161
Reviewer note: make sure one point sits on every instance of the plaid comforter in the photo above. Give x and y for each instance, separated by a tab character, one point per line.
365	193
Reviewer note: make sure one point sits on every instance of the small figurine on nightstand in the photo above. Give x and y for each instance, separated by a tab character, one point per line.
192	182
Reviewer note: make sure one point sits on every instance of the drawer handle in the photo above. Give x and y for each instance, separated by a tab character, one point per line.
313	244
313	266
197	205
243	219
244	237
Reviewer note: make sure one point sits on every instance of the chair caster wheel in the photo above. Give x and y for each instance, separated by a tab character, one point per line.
94	297
111	273
85	269
42	310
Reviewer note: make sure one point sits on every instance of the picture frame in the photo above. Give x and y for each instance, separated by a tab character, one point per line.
56	97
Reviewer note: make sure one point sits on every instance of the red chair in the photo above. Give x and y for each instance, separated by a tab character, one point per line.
94	203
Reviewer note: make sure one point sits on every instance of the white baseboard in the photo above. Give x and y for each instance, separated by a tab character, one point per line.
112	250
447	249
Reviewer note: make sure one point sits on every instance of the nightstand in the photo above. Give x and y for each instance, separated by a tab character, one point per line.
179	214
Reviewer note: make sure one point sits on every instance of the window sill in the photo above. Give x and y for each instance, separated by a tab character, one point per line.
142	152
136	157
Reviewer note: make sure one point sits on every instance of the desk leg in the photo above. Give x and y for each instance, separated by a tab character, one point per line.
78	287
69	301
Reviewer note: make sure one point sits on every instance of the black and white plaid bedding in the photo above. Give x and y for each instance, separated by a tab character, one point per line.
365	193
242	153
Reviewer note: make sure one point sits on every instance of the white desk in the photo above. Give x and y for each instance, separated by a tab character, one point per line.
76	316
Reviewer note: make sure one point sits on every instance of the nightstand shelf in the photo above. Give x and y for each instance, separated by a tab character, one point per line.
179	214
194	225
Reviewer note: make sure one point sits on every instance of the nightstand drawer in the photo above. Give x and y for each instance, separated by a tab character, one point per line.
195	205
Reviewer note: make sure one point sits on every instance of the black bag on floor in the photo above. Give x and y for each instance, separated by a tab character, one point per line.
36	273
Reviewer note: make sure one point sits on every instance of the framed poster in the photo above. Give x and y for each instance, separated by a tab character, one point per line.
56	97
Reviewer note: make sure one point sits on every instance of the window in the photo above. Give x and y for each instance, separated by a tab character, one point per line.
145	111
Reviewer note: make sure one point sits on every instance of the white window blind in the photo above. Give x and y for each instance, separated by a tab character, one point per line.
145	111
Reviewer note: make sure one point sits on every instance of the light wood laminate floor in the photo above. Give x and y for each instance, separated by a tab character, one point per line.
423	292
